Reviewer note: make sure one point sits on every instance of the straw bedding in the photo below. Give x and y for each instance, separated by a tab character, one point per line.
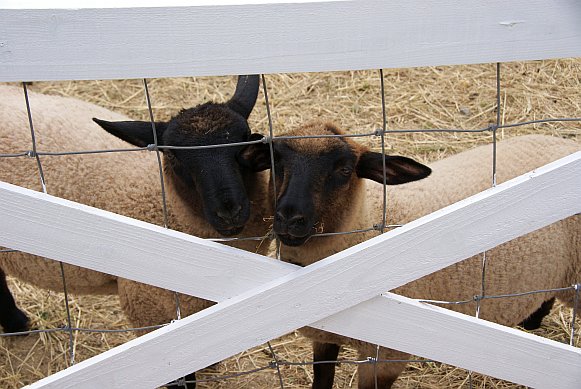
461	97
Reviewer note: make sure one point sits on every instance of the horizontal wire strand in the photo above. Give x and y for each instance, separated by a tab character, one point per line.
510	295
378	132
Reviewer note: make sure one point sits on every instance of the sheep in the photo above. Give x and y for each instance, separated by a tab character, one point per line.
12	319
321	187
208	193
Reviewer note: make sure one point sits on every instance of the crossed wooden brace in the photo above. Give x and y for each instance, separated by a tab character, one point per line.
261	299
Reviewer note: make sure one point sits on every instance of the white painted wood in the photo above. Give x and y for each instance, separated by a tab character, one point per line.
70	44
445	336
336	283
96	239
257	273
80	4
464	341
74	233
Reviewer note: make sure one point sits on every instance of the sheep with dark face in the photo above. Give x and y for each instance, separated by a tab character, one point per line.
208	193
320	186
207	179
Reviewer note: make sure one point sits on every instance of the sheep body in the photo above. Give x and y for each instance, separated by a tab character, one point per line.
545	259
129	184
64	124
123	183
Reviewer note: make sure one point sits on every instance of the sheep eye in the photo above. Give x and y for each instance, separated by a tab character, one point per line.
346	171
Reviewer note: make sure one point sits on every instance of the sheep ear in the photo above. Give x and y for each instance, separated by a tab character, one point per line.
137	133
398	170
245	95
255	157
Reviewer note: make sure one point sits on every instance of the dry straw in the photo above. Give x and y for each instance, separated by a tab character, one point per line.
461	97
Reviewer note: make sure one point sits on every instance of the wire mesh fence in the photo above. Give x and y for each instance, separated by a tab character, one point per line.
379	226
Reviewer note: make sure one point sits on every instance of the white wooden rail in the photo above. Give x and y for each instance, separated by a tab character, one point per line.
130	39
294	298
78	42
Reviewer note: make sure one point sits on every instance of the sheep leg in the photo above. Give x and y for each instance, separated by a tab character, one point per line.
12	319
324	373
533	322
384	373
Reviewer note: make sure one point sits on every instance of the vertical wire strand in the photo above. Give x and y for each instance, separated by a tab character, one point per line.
495	128
375	367
384	129
161	180
157	153
575	303
178	305
43	184
33	136
276	363
494	169
384	203
482	285
162	183
69	320
271	135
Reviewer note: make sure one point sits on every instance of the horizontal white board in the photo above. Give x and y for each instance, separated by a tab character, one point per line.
337	283
111	43
77	4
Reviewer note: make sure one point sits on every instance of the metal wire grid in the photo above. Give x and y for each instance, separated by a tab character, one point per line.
381	227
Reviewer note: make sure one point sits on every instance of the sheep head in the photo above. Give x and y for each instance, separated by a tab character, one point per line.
210	177
317	178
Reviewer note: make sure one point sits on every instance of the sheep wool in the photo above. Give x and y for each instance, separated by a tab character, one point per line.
121	182
545	259
64	124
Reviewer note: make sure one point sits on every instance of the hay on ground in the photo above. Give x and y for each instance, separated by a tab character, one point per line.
432	97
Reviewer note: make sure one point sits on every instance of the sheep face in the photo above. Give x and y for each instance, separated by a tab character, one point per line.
214	173
309	187
210	178
316	179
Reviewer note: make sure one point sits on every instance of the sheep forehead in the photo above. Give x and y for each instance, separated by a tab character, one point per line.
319	146
206	120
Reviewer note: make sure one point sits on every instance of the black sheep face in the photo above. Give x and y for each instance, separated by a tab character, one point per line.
211	177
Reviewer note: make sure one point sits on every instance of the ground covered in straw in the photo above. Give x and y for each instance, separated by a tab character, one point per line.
435	97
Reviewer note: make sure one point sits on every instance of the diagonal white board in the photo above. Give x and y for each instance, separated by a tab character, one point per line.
80	235
194	276
338	282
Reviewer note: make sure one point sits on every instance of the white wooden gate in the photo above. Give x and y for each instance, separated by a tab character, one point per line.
259	298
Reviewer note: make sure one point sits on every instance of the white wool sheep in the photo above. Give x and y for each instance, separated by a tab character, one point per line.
333	197
129	184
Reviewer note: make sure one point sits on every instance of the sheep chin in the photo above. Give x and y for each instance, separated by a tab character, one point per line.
293	241
230	231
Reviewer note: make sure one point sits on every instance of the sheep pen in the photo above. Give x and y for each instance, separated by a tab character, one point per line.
433	97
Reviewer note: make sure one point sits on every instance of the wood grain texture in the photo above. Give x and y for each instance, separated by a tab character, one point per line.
336	283
110	43
77	234
77	4
459	340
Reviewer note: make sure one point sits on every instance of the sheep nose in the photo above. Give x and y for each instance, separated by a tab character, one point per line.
296	221
294	224
230	215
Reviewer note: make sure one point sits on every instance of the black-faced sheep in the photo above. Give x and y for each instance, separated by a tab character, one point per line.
320	187
208	193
